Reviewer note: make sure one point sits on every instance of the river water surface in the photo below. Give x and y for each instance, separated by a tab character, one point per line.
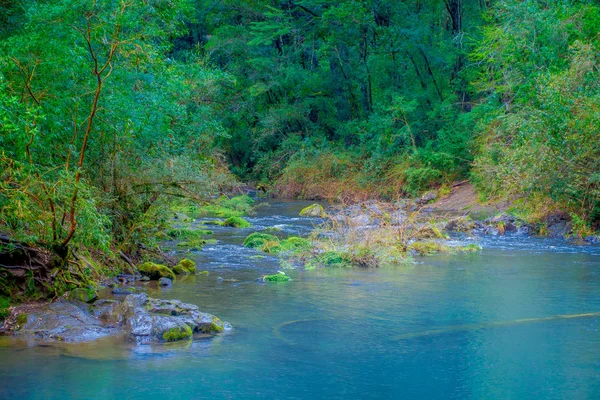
515	321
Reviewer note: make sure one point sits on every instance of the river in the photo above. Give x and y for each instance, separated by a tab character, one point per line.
514	321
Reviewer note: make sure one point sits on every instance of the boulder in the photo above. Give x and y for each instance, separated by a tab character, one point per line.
185	267
64	321
427	198
124	290
165	282
156	271
84	295
138	318
315	210
592	239
560	229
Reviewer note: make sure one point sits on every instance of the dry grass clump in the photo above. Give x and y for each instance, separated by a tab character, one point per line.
374	234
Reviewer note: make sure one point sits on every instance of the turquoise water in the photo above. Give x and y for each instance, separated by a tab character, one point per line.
441	329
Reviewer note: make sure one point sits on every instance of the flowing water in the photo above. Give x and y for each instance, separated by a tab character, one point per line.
519	320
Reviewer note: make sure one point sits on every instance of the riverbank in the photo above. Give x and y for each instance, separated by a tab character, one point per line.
368	234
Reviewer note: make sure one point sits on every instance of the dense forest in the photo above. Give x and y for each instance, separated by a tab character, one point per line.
110	110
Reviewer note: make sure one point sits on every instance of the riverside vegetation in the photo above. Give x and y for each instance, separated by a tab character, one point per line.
116	117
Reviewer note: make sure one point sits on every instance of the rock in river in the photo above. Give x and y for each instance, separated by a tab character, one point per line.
137	318
165	282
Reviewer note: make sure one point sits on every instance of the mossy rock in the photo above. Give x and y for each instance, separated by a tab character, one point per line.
21	319
156	271
215	326
257	240
177	333
84	295
280	277
315	210
236	222
185	267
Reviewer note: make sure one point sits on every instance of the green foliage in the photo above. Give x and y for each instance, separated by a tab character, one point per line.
229	207
293	243
373	80
186	233
101	127
196	244
538	138
4	305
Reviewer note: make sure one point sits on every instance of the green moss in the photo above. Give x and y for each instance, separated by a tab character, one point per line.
259	240
229	207
185	267
156	271
85	295
315	210
294	243
280	277
215	326
177	333
205	273
185	233
4	305
21	319
236	222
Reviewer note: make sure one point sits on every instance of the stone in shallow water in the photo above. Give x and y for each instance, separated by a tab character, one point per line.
315	210
165	282
85	295
64	321
138	318
124	290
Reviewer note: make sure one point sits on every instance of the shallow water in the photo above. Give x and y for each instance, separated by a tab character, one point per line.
447	327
